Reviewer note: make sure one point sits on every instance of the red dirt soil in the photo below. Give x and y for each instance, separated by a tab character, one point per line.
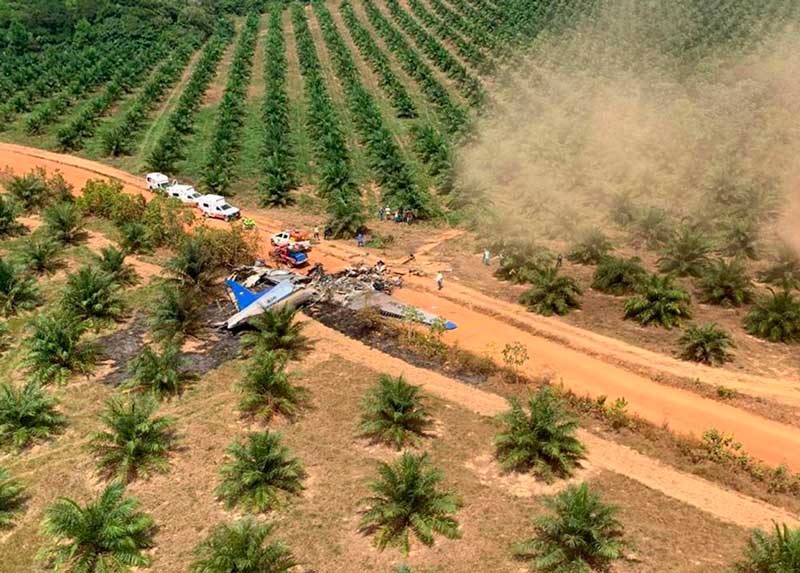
585	362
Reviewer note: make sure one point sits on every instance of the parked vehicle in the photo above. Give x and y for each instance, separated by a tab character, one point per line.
292	258
295	239
216	207
185	193
157	181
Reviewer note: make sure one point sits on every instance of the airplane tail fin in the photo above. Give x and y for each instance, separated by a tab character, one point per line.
244	296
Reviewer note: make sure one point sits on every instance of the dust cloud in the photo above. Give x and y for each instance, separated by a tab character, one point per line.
610	109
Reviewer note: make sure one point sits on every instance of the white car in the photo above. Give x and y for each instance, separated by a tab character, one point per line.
185	193
157	181
216	207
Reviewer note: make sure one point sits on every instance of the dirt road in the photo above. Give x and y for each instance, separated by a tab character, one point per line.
486	325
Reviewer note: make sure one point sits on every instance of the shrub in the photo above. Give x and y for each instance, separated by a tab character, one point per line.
41	256
164	218
726	283
582	534
267	389
653	228
739	239
618	276
108	534
107	200
229	248
158	373
541	440
686	254
405	499
17	290
776	552
112	262
35	190
592	248
54	349
278	331
260	472
92	294
135	442
785	270
551	294
12	499
393	413
9	226
64	223
245	547
193	265
174	314
707	344
622	210
658	303
519	260
775	318
27	414
135	238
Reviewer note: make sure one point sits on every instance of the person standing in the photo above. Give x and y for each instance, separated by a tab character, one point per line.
316	233
439	280
487	256
360	239
380	214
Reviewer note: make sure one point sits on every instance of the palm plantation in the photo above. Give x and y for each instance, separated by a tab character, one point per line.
27	414
267	389
245	546
277	330
55	350
393	413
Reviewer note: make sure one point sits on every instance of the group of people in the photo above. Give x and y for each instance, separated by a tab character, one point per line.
398	215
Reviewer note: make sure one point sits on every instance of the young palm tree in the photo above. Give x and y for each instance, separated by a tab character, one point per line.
92	294
64	223
707	344
618	276
785	270
54	348
41	255
393	413
175	314
244	547
592	248
521	260
12	499
9	226
108	535
260	473
582	534
551	293
775	318
653	227
27	414
158	372
776	552
277	330
193	265
686	254
658	302
17	290
541	440
726	283
406	499
267	389
112	261
135	237
136	442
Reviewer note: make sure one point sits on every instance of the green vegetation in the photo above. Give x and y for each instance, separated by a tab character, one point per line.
775	318
775	552
244	547
158	373
91	294
41	255
658	303
726	283
35	190
592	247
17	290
686	254
708	344
785	269
174	315
551	293
12	499
393	413
277	331
63	222
27	414
9	226
267	389
618	276
112	262
54	348
193	265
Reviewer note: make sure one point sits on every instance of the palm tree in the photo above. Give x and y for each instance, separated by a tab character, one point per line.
618	276
551	293
54	348
193	265
726	283
107	535
260	472
406	499
41	255
658	302
135	237
135	442
775	318
785	269
707	344
686	254
541	440
12	499
244	547
92	294
777	552
267	388
277	330
158	372
27	414
9	226
112	261
64	223
592	248
17	290
174	314
582	535
393	413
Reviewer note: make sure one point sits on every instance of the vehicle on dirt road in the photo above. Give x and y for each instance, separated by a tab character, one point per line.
216	207
184	193
296	240
293	258
157	182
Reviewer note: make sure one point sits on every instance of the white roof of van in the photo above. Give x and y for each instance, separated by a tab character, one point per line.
157	177
212	198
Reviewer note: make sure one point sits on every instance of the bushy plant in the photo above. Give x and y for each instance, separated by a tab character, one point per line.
193	265
40	255
551	293
407	499
592	247
653	227
267	389
135	237
9	226
174	314
618	276
519	260
107	200
158	373
63	222
277	330
135	442
708	344
658	303
726	283
623	210
686	254
261	471
775	317
775	552
581	534
785	269
245	546
54	348
109	534
541	439
34	191
393	413
112	262
12	499
739	239
27	414
92	294
17	290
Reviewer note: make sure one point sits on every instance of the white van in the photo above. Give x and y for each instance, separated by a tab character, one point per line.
157	181
185	193
216	207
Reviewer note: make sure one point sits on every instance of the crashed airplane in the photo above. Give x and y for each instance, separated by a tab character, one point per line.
257	288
